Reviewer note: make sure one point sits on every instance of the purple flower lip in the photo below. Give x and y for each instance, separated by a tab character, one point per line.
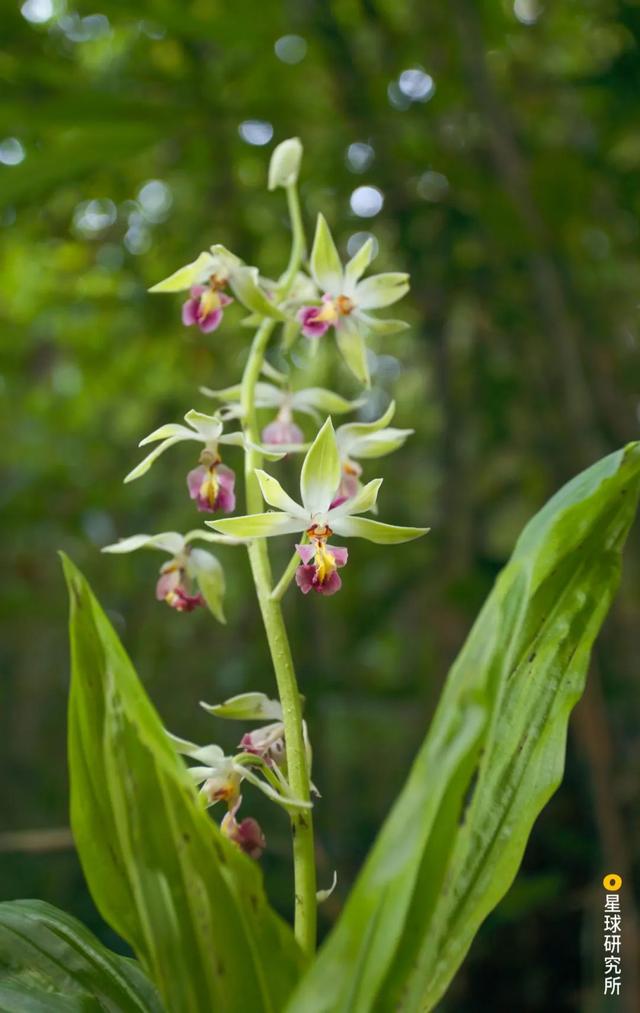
281	432
320	563
312	327
205	308
170	589
213	488
247	834
183	602
316	320
307	580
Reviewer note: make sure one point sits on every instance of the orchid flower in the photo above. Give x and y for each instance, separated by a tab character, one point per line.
282	431
316	517
347	299
267	741
365	440
206	279
211	484
192	577
220	776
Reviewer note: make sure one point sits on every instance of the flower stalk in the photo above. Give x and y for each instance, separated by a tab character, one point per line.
301	822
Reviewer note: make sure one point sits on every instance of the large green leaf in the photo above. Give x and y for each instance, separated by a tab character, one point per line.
191	905
50	961
493	756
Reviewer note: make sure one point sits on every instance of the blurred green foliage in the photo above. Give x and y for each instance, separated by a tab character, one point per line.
509	177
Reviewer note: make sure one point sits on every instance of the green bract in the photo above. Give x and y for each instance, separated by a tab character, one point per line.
319	481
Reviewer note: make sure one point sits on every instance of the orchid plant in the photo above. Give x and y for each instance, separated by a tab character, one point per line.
305	306
165	828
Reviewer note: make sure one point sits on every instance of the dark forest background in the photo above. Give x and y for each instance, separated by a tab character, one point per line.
508	163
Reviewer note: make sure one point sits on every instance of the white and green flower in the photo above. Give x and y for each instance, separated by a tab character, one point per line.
192	577
348	298
207	279
317	517
211	483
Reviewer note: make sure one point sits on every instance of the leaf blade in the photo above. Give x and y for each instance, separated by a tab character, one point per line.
190	904
46	955
442	862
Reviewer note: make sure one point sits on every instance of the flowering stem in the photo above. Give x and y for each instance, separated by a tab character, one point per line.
298	242
301	822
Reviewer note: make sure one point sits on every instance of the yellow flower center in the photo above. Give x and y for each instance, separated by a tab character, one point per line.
328	314
324	561
332	309
209	303
344	305
210	485
218	280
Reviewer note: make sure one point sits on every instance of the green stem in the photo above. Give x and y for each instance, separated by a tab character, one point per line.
301	822
298	242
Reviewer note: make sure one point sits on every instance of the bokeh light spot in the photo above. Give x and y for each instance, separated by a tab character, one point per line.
92	216
433	186
360	155
366	201
257	132
290	48
416	84
11	151
38	12
527	11
155	199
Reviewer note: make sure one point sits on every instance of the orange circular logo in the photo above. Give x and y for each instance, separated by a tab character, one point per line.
612	881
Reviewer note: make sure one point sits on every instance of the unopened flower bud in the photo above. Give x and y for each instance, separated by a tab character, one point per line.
285	163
